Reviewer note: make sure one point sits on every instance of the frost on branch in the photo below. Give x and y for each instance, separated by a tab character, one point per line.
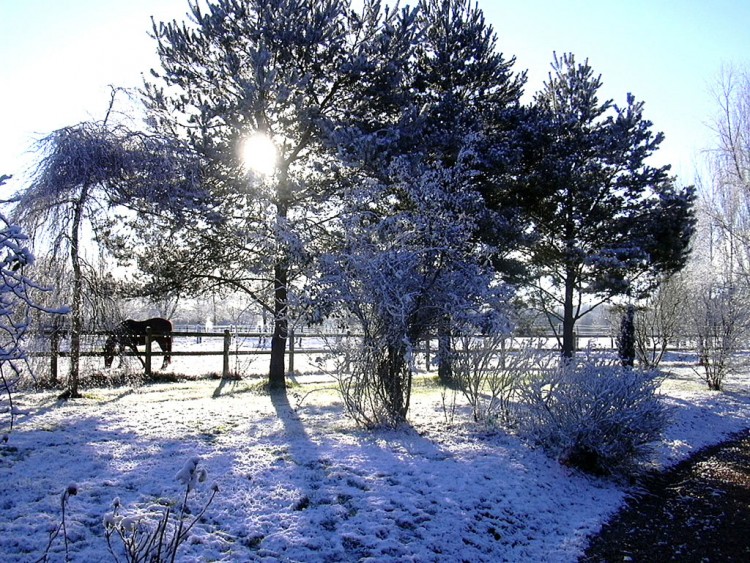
491	370
400	273
16	290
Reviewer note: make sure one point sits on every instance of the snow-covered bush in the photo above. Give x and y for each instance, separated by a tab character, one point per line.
377	390
600	418
16	302
399	272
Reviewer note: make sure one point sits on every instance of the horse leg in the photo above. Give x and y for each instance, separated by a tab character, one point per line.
165	343
138	355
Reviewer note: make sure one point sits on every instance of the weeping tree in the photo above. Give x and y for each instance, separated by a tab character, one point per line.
86	171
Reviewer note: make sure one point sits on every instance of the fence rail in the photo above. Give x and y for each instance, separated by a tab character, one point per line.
228	351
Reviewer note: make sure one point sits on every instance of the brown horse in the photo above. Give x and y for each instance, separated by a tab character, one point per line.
131	334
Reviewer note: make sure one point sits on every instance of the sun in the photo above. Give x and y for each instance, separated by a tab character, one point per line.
259	154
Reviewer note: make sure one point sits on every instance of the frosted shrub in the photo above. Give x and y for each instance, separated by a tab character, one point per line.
19	296
377	388
600	418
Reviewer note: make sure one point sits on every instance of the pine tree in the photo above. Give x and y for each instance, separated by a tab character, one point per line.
292	70
411	259
466	90
604	221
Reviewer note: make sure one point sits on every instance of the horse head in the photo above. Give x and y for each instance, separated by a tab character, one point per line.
110	348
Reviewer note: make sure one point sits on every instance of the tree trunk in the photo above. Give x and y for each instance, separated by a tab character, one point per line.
76	313
395	378
569	345
276	374
276	371
445	363
626	339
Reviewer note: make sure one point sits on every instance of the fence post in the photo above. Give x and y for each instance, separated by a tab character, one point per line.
54	350
227	342
148	351
427	354
291	351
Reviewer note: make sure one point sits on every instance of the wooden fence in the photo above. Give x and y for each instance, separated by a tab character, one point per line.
227	350
147	357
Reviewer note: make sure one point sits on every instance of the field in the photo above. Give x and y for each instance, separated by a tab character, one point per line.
298	482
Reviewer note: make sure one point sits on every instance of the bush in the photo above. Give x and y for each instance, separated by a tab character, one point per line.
490	371
600	418
377	389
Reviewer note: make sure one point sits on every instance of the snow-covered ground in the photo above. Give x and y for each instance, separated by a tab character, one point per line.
301	483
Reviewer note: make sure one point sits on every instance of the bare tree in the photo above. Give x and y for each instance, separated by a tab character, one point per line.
727	191
658	321
721	316
720	301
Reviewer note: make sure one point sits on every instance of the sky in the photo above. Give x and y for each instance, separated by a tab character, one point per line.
58	59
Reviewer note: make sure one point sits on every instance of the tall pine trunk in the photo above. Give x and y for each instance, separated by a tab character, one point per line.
276	374
277	368
569	344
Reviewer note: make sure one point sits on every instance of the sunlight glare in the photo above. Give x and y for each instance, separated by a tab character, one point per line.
259	154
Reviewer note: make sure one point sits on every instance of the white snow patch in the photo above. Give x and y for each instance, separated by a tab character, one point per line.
303	484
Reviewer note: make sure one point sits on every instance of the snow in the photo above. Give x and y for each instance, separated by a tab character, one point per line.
299	482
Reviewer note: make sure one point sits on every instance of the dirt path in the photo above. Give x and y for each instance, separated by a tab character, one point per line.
698	511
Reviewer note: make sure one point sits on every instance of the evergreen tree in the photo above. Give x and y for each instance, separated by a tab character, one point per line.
292	70
467	93
604	221
411	260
